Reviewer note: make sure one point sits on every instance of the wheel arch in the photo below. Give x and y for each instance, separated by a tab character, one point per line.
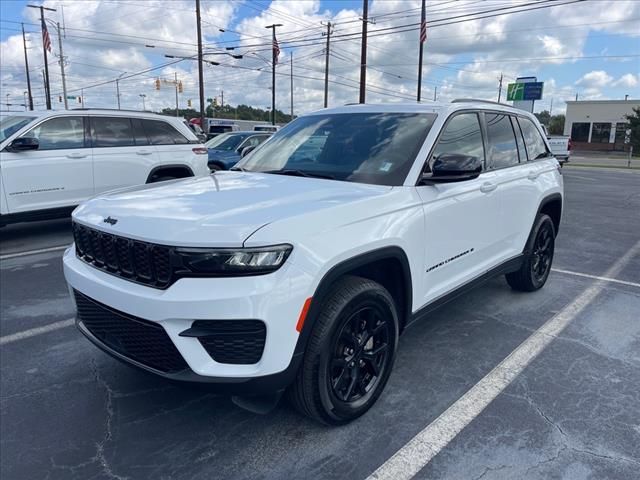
552	205
392	261
181	170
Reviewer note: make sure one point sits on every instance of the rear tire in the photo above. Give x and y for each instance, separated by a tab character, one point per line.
538	257
350	353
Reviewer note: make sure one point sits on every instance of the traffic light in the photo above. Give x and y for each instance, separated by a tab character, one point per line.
189	103
157	82
180	89
60	98
79	99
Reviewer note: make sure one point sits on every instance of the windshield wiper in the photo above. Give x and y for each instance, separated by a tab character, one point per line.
300	173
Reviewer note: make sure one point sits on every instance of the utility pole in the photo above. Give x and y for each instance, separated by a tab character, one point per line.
82	97
46	88
118	91
576	96
26	66
176	84
435	93
500	88
200	67
221	98
291	87
551	108
423	38
363	51
326	67
64	81
46	42
143	96
274	60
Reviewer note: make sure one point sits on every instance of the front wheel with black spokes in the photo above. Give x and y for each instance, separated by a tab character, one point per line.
350	353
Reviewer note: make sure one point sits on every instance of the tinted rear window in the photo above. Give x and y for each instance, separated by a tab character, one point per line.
162	133
111	132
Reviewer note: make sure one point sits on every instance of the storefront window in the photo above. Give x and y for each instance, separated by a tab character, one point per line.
621	128
580	132
600	133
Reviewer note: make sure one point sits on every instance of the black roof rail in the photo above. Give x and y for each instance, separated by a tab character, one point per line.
477	100
112	110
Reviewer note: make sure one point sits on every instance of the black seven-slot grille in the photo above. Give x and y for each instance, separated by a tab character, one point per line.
140	340
237	342
140	262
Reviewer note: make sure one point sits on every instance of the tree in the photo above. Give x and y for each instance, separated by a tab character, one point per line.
634	125
543	117
556	125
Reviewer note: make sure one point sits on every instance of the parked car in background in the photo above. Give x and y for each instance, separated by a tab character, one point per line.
301	271
226	150
560	145
266	128
215	127
52	161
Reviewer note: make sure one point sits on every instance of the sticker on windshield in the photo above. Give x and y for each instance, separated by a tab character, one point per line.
386	166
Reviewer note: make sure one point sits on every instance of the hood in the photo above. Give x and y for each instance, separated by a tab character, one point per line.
223	209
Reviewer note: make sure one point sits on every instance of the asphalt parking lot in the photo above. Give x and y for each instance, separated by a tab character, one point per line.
571	411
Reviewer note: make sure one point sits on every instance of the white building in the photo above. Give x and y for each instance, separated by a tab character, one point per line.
598	124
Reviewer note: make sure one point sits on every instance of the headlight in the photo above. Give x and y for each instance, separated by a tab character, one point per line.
234	261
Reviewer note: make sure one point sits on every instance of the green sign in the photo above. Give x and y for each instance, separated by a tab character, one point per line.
515	91
71	97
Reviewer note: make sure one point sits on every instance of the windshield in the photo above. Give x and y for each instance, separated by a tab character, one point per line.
10	125
377	148
226	142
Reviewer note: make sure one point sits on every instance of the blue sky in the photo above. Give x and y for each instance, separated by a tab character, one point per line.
464	59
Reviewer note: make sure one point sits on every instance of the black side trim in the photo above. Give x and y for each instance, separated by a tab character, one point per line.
548	199
511	265
36	215
163	167
339	270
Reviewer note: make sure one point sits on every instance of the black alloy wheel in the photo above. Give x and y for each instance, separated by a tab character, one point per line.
360	355
542	254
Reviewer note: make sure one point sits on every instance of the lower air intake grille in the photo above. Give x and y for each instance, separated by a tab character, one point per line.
140	340
238	342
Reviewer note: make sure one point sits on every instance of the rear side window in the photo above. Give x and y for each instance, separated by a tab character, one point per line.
503	151
139	134
162	133
59	133
112	132
461	135
536	148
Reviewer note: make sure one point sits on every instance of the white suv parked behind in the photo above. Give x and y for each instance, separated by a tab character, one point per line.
52	161
301	266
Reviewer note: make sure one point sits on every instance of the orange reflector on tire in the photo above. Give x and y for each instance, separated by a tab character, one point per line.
303	314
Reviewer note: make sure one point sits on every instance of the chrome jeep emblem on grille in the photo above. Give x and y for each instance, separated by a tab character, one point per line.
110	221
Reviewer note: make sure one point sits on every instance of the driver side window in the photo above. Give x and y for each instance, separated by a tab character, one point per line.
461	136
59	133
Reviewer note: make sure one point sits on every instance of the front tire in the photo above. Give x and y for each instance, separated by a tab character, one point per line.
350	353
538	257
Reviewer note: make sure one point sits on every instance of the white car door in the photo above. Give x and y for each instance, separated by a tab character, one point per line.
121	152
461	218
59	173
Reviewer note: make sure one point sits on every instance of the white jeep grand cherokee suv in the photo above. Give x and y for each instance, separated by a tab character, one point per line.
300	267
52	161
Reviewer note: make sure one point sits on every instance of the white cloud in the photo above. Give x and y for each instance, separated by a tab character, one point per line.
595	79
627	80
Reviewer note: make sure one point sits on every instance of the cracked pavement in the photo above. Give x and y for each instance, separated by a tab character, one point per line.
69	411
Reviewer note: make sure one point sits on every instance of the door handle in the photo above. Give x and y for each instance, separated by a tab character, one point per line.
487	187
144	152
76	155
532	175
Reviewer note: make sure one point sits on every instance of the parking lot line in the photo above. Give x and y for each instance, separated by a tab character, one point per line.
422	448
32	252
32	332
595	277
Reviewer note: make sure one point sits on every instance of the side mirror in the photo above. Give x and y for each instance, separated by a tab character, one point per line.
247	150
23	143
453	167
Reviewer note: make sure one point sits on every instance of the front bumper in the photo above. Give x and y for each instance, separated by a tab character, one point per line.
275	299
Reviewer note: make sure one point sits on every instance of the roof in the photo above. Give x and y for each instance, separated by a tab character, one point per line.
430	107
93	111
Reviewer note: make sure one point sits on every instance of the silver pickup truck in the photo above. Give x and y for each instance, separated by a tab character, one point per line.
560	145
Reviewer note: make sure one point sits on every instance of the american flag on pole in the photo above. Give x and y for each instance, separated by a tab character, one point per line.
46	40
423	31
276	50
